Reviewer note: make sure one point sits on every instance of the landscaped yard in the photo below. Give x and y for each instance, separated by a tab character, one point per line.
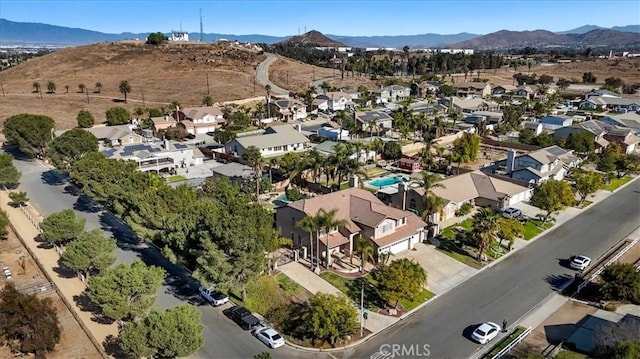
504	342
533	227
176	179
453	251
375	171
616	182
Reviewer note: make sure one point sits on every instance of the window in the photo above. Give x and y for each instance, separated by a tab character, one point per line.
386	227
277	148
412	203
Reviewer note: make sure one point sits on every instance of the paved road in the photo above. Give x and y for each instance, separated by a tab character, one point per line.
262	75
514	286
50	192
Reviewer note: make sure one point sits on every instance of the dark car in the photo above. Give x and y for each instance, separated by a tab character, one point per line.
243	317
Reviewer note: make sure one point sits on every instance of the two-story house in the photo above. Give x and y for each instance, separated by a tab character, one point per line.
382	95
291	109
199	120
272	141
480	89
157	157
336	101
398	93
604	103
470	104
375	121
535	167
503	90
391	230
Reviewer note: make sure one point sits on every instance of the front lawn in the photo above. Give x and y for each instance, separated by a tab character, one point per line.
452	250
291	288
616	182
352	288
419	299
533	227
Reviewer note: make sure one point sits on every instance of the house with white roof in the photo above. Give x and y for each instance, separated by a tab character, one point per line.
157	157
272	141
336	101
470	104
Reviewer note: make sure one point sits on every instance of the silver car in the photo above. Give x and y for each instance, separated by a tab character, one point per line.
486	332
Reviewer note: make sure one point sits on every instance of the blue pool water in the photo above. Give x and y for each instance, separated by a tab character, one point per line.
388	181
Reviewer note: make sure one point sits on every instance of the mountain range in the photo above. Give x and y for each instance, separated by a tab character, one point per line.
37	34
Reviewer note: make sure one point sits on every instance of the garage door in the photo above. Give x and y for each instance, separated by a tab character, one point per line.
399	247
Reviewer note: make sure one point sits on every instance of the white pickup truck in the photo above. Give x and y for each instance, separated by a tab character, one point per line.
213	297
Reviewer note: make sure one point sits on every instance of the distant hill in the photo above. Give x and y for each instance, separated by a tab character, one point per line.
586	28
413	41
313	37
504	39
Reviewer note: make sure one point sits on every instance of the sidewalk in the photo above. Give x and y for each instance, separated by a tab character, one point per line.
69	287
314	284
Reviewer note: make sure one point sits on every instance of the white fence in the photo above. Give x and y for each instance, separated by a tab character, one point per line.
602	268
513	343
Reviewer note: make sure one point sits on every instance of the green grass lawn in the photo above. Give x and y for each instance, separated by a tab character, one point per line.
504	342
616	182
568	354
352	288
454	252
177	178
419	299
292	288
466	224
376	171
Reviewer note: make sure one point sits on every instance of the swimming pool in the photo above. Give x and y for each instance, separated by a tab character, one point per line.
387	181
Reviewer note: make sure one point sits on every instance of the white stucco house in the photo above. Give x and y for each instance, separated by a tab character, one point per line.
273	141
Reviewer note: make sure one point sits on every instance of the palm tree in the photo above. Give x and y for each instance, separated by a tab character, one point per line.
267	88
253	157
124	89
51	87
310	225
430	181
98	87
485	227
365	248
175	105
328	221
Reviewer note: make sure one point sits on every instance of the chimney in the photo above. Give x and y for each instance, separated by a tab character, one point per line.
354	182
299	127
166	144
402	188
511	161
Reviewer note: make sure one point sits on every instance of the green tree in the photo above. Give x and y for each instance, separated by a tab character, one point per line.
509	229
82	88
117	116
328	220
581	142
401	279
69	147
4	225
253	157
207	100
28	321
9	174
19	198
98	87
391	150
175	133
527	136
543	140
51	87
587	183
31	133
85	119
330	317
310	225
175	332
366	249
91	251
36	86
620	281
156	38
61	227
609	156
563	83
466	148
126	291
589	78
626	350
124	89
485	228
552	196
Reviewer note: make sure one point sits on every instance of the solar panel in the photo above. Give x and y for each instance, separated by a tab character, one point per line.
180	146
109	152
556	151
155	150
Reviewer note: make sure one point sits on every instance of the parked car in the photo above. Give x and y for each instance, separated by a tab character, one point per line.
580	262
512	213
269	336
486	332
243	317
213	297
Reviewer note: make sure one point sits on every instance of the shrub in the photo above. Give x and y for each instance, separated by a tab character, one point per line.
464	209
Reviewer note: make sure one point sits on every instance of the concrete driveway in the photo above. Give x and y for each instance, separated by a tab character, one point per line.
443	272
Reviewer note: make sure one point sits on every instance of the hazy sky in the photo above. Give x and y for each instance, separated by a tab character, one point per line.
288	17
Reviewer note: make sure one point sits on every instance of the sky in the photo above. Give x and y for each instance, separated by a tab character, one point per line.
345	17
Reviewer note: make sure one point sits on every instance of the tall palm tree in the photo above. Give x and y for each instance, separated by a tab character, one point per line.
485	227
310	225
124	89
328	221
365	248
430	181
267	88
253	157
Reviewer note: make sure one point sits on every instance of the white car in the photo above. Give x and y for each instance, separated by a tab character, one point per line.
269	336
486	332
580	262
215	298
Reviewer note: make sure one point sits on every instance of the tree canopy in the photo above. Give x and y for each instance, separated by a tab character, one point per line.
117	116
401	279
175	332
70	146
85	119
9	174
156	38
31	133
90	251
4	224
61	227
552	196
19	198
330	317
587	183
126	291
29	321
466	148
620	281
581	142
391	150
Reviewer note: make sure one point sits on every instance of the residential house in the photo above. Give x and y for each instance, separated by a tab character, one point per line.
391	230
336	101
332	131
536	127
374	120
480	89
601	93
199	120
328	148
291	109
630	120
234	171
629	142
503	90
470	104
490	117
163	122
478	188
424	88
321	103
272	141
602	103
409	164
554	122
113	136
527	91
382	95
157	157
535	167
398	93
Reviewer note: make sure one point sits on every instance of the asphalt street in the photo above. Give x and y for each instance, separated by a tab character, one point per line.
262	75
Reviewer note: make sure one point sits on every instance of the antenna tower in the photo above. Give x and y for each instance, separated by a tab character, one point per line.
201	31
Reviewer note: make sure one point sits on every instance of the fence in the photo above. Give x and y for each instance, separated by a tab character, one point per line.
60	294
513	343
601	269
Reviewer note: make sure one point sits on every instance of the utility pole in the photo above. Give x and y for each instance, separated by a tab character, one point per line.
362	309
201	31
207	83
87	92
143	104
